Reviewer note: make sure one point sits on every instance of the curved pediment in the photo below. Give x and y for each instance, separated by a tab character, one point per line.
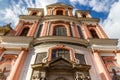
61	64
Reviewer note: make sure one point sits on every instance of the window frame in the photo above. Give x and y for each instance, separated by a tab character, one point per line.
57	52
59	30
59	12
25	32
93	33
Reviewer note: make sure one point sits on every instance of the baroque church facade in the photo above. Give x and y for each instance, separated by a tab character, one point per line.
58	46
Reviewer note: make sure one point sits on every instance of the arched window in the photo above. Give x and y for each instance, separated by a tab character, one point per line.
60	31
84	16
60	53
34	13
93	33
25	31
59	12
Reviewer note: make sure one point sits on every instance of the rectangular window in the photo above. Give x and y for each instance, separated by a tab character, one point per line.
60	53
40	57
81	58
60	31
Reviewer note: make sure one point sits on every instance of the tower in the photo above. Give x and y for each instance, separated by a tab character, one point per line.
58	46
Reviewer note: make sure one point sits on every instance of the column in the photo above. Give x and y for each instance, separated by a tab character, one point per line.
51	11
101	67
72	55
33	29
45	26
68	30
50	54
75	32
48	11
102	33
19	23
1	50
86	31
15	72
48	30
18	27
70	12
66	12
117	52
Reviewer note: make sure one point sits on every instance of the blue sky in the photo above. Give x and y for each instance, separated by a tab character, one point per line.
107	10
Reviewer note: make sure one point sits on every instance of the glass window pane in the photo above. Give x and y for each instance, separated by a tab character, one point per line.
59	12
40	57
80	57
93	33
60	31
61	53
24	32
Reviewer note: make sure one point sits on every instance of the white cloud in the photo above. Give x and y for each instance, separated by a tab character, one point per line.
96	5
83	2
112	23
43	3
10	15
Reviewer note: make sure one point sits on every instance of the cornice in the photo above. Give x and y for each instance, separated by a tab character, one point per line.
59	5
103	45
15	38
59	17
103	41
83	11
15	42
61	39
29	17
106	51
89	19
70	18
38	9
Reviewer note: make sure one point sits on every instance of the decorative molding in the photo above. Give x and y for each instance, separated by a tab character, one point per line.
95	50
116	51
110	42
2	48
59	5
71	40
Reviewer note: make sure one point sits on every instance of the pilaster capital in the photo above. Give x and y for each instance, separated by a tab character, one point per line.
24	49
97	24
36	21
20	20
95	50
116	51
2	49
84	24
